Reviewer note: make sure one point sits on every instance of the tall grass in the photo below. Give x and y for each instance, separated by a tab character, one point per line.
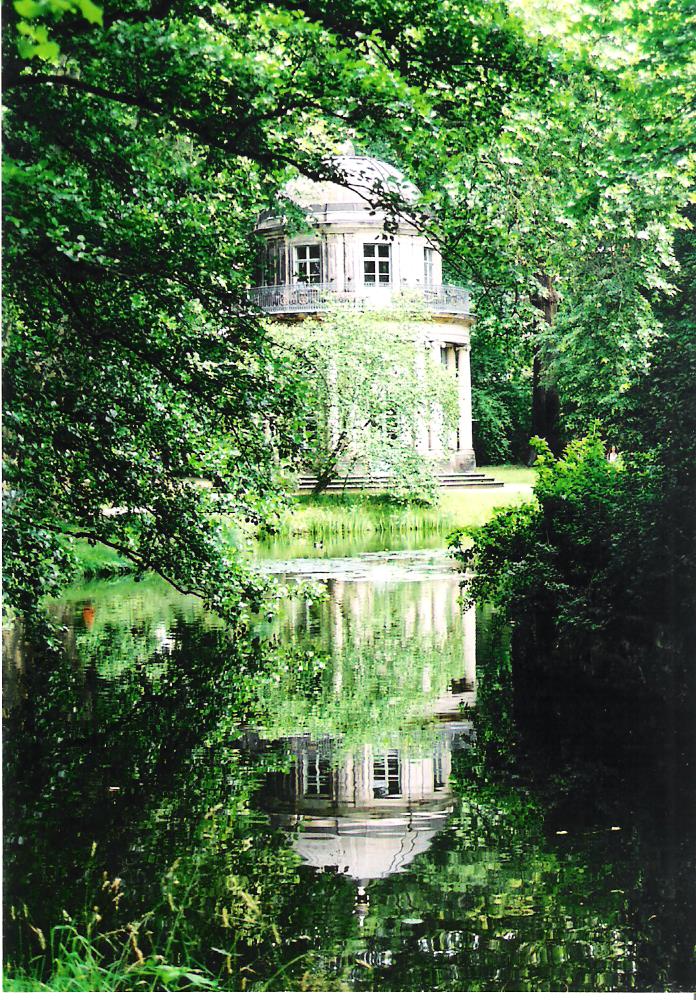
164	950
99	561
363	514
355	515
74	962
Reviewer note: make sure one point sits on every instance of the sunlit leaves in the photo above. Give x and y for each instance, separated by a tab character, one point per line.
34	39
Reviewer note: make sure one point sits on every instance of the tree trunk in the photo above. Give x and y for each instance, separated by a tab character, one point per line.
545	400
327	471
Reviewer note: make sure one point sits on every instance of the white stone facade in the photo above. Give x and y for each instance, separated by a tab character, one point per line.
346	256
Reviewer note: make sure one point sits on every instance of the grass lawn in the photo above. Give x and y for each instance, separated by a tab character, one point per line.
473	507
513	475
99	560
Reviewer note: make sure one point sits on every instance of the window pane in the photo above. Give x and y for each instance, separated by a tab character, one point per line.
317	775
374	255
386	775
308	263
428	265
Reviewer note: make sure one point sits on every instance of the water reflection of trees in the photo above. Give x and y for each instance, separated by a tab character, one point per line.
156	763
371	661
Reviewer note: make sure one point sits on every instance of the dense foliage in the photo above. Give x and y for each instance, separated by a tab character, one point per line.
611	546
597	576
148	409
564	221
139	148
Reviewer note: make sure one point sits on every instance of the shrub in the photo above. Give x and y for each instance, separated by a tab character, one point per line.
590	566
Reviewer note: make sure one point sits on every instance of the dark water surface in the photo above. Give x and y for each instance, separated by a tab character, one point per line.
334	804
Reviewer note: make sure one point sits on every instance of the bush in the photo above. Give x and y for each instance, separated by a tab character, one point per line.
413	482
590	571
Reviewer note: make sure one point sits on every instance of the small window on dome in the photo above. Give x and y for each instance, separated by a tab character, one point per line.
377	263
308	263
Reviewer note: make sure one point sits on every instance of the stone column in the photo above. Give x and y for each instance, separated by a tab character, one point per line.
422	442
425	611
464	377
469	628
362	775
452	369
346	782
436	444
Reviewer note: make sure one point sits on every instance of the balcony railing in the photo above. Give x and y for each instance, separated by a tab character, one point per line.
447	299
300	298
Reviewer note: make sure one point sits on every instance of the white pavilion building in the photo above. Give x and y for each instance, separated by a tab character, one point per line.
352	253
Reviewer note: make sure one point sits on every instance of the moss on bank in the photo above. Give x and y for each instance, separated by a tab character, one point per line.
99	560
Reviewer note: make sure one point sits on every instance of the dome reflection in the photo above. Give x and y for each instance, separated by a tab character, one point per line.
367	813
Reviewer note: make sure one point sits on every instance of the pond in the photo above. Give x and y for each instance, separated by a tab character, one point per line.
333	803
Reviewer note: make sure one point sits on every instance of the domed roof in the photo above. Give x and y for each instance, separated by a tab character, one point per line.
367	178
370	847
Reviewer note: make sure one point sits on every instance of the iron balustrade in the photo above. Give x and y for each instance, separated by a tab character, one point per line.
447	299
312	298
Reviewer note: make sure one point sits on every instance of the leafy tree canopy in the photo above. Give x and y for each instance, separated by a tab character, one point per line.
370	389
139	148
141	143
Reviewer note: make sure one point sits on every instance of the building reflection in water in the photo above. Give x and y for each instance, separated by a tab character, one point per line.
367	811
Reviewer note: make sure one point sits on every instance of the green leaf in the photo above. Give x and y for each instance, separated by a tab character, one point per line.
91	12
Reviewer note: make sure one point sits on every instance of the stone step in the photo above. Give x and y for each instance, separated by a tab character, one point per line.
443	481
446	480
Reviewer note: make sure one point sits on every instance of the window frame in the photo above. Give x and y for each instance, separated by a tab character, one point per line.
379	256
428	267
270	264
387	777
303	258
317	775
